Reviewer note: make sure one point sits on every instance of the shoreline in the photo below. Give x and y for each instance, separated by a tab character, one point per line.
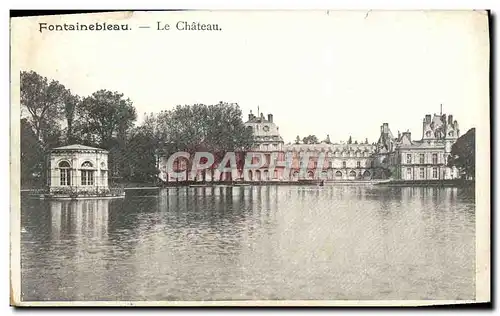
195	184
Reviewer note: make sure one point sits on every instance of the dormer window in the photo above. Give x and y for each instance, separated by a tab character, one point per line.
266	128
450	134
428	134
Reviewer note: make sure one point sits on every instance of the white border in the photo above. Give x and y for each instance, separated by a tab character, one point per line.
241	4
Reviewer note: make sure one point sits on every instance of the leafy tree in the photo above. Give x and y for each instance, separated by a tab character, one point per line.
217	128
42	103
105	115
297	140
70	105
32	155
141	156
311	139
327	140
463	154
104	119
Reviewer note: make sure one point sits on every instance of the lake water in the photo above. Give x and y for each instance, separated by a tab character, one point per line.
253	243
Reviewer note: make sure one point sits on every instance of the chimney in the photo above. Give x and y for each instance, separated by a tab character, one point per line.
270	118
450	119
386	127
407	135
250	115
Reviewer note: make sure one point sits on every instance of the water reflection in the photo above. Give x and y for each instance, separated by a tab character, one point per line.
253	242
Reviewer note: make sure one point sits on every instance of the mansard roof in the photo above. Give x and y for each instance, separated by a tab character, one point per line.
331	147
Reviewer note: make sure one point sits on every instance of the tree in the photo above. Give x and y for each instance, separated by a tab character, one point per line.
350	140
217	129
297	140
311	139
463	154
42	102
32	155
327	140
105	115
104	119
141	156
70	105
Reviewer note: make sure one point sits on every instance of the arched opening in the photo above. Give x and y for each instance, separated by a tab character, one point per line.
87	173
275	174
64	173
338	175
250	175
295	175
257	175
367	175
310	175
266	175
352	175
225	176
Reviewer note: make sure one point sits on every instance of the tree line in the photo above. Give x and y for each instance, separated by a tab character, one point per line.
52	116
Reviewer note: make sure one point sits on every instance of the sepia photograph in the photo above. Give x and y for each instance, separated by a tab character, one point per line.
250	158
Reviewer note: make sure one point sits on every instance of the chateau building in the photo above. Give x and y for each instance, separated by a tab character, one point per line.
398	158
78	168
269	144
426	159
332	161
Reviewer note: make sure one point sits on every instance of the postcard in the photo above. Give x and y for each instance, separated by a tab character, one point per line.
250	158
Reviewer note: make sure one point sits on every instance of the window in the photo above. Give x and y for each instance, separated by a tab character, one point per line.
422	173
408	158
358	164
428	133
422	158
87	164
344	164
64	173
103	177
408	172
87	177
434	172
434	159
65	177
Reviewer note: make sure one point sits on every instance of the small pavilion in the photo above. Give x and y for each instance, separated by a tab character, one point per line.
78	168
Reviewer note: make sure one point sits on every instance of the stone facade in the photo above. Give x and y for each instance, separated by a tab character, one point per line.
78	168
398	158
426	159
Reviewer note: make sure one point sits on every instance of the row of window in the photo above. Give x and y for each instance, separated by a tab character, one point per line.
86	164
269	146
86	177
343	154
422	158
422	173
344	164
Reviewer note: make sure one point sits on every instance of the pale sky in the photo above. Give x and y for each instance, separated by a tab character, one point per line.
318	72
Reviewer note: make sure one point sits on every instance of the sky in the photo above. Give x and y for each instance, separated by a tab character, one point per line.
318	72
